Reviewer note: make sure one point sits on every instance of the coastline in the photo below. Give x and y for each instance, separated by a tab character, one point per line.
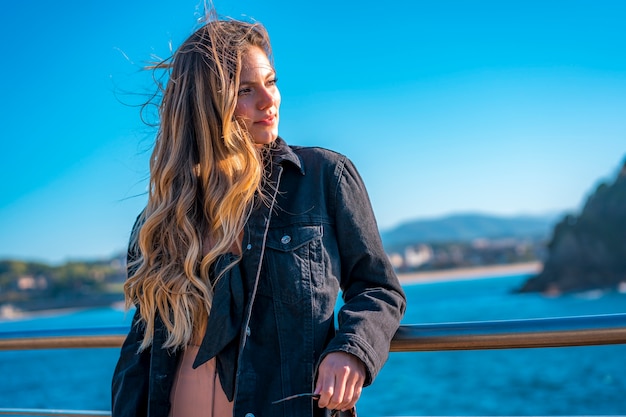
12	313
53	307
459	274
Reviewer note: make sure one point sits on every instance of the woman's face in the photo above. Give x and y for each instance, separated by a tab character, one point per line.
258	98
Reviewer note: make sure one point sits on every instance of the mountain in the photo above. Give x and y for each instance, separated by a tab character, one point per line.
467	227
588	251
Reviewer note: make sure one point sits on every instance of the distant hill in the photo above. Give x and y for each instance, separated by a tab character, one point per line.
588	251
467	227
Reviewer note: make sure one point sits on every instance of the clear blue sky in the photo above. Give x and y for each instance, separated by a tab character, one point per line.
503	107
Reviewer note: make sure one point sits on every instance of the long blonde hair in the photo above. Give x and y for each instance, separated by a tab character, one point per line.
204	173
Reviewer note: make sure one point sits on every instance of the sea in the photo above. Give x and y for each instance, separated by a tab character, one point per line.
520	382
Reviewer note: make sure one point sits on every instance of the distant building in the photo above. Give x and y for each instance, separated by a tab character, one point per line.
416	256
396	260
29	282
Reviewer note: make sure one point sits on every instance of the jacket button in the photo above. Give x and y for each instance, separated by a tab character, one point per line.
247	331
249	246
285	239
249	415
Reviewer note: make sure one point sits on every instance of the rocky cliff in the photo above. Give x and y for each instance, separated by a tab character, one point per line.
588	251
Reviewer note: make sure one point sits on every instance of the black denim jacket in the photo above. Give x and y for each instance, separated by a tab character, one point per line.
273	317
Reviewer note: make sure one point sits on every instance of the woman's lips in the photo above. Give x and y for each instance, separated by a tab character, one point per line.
268	121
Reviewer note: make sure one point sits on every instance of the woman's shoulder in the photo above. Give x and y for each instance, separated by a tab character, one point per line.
318	154
316	159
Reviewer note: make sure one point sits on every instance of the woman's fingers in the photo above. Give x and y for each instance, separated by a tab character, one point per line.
340	380
353	391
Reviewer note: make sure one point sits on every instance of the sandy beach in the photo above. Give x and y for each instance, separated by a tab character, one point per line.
458	274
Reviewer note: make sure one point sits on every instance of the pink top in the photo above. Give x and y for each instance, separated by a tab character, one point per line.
198	392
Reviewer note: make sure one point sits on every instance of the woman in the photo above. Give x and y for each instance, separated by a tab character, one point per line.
236	262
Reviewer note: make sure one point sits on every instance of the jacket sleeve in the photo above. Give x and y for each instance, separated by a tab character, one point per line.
374	302
129	389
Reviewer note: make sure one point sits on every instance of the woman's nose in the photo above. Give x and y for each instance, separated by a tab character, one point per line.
266	98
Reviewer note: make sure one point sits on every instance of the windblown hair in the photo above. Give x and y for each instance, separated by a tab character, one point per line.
204	173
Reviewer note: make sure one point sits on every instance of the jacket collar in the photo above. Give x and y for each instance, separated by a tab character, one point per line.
281	152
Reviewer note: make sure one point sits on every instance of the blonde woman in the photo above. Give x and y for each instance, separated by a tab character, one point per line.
236	262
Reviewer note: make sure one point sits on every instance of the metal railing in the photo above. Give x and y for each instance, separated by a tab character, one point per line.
510	334
505	334
98	337
58	413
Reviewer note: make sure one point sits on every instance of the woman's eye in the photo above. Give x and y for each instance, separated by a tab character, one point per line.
244	91
273	81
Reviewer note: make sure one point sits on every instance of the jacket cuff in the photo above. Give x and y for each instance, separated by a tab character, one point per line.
358	347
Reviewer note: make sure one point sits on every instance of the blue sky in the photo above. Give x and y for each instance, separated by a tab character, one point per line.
503	107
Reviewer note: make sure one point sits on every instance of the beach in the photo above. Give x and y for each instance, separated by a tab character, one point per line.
456	274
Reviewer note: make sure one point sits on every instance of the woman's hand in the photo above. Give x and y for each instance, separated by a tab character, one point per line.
340	379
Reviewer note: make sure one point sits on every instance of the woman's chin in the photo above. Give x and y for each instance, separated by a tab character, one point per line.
262	140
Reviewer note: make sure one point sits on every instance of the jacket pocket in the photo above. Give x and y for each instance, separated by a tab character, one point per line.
290	257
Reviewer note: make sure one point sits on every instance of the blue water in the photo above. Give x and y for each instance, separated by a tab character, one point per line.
565	381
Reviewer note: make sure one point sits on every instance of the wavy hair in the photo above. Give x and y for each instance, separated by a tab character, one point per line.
204	173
